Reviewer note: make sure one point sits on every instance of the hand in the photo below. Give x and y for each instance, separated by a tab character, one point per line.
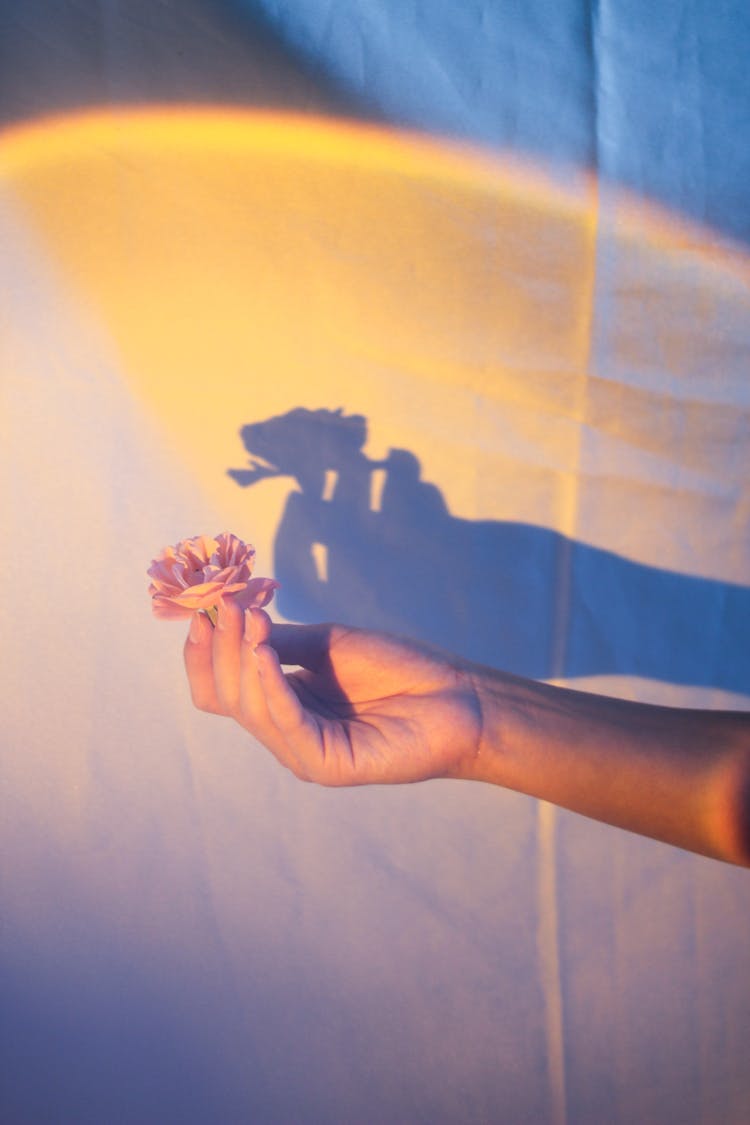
366	707
363	707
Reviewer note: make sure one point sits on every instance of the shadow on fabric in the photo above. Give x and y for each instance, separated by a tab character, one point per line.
651	100
511	595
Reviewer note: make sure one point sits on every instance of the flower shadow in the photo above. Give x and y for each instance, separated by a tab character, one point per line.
508	594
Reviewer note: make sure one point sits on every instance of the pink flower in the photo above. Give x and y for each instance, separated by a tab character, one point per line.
198	572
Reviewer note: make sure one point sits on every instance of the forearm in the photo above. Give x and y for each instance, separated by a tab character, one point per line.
677	775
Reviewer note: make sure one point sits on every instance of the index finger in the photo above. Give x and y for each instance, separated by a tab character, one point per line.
198	653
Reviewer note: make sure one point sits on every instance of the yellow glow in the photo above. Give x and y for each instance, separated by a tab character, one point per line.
245	263
216	132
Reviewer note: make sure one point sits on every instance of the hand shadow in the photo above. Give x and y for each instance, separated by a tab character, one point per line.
511	595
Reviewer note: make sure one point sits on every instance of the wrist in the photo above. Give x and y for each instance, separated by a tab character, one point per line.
503	707
676	775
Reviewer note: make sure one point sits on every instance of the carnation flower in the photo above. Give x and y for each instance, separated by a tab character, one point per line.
196	573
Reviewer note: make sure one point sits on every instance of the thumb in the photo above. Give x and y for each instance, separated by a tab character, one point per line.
307	646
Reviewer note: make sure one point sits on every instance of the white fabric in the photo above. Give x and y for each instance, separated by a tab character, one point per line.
191	934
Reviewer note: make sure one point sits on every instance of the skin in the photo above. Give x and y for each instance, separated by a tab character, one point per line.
367	708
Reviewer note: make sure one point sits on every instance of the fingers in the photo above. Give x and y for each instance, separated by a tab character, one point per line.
284	707
226	655
263	683
304	645
198	653
254	713
212	659
269	708
235	669
258	626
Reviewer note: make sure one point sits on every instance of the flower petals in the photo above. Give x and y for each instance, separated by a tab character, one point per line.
257	593
197	572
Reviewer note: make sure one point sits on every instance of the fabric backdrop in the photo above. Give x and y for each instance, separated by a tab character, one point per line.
446	308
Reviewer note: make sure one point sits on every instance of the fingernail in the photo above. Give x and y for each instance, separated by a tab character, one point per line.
221	616
195	628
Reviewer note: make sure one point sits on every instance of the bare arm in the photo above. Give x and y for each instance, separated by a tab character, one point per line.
366	708
682	776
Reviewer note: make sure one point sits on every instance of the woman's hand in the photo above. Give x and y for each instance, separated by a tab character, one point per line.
366	707
363	707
